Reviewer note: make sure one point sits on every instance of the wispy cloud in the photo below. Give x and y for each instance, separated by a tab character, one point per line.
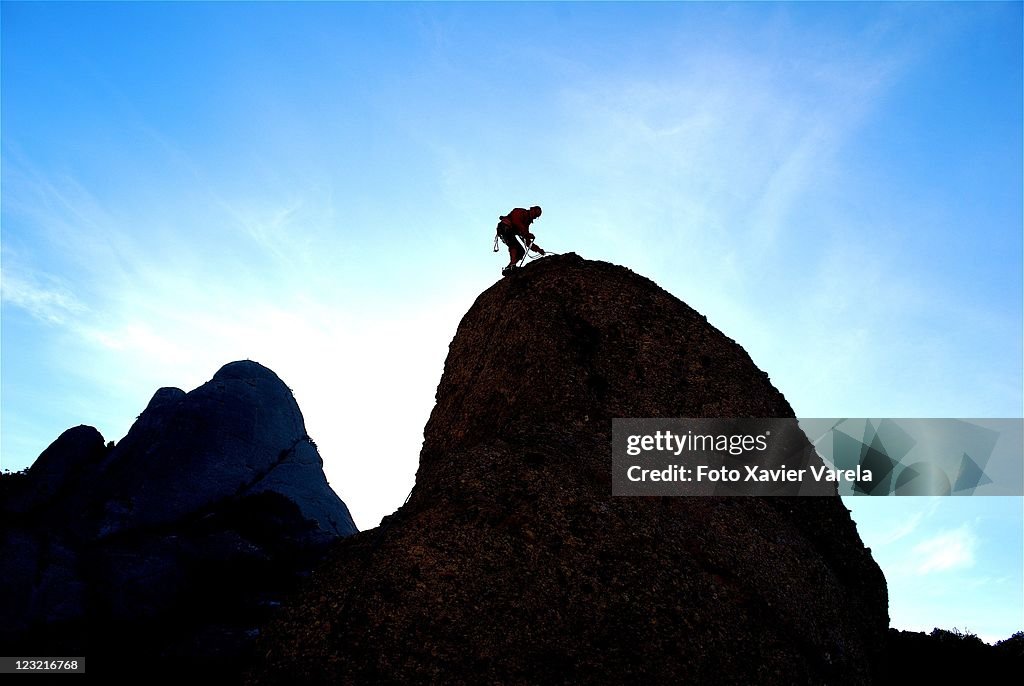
52	302
910	524
947	551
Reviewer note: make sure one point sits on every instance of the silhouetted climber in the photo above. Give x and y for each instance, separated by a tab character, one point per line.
512	226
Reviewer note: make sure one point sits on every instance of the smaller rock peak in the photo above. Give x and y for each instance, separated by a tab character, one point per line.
165	396
76	446
66	461
82	433
244	370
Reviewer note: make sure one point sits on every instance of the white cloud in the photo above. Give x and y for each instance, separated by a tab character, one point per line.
51	302
946	551
909	525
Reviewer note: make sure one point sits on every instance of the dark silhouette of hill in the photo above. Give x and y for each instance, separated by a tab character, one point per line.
171	548
512	563
951	657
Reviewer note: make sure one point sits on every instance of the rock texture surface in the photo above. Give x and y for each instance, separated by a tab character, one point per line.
512	563
178	542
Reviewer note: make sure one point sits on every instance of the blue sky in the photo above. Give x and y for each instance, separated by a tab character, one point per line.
314	186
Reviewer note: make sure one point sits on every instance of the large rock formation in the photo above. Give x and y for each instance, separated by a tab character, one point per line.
512	563
178	542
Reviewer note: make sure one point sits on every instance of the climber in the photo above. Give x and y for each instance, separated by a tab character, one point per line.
512	226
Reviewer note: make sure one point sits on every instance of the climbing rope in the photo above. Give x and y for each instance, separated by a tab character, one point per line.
528	256
538	256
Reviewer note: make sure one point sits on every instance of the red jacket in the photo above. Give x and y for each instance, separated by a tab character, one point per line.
520	220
